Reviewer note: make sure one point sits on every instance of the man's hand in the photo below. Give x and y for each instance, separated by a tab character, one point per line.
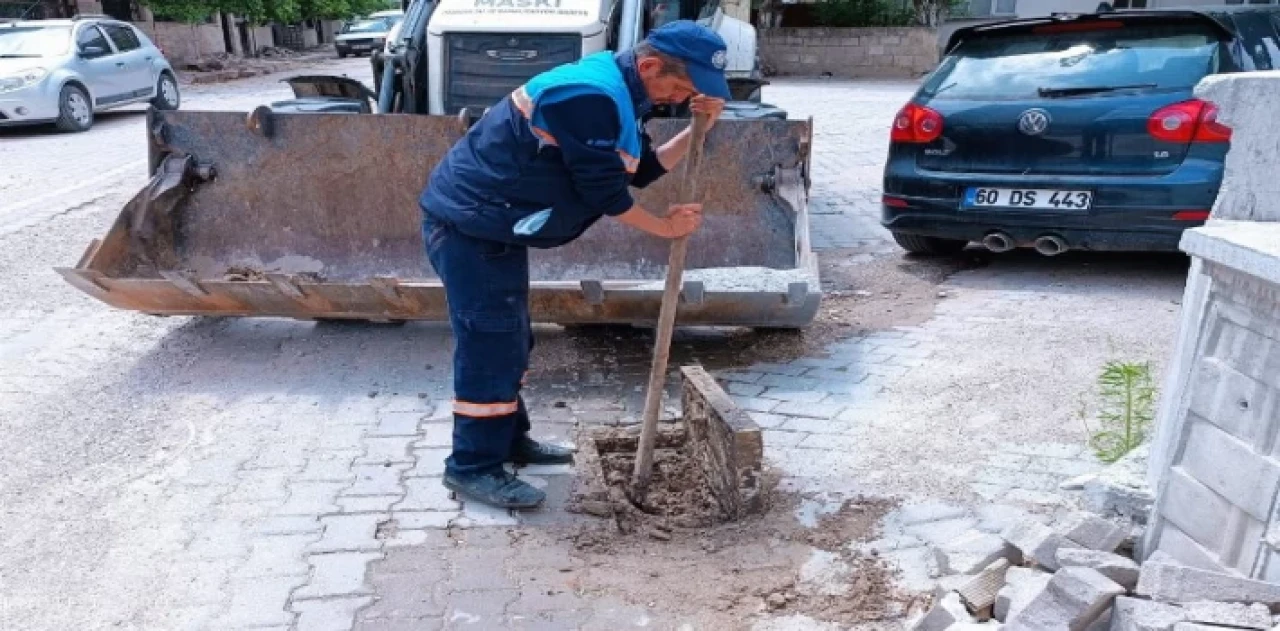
710	106
683	220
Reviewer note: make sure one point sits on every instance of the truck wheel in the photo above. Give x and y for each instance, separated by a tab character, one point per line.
75	110
935	246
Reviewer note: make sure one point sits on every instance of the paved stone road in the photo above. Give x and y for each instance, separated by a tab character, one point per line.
227	474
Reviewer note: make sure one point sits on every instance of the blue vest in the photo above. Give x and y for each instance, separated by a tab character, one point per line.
496	183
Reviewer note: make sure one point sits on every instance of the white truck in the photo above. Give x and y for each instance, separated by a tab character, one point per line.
452	55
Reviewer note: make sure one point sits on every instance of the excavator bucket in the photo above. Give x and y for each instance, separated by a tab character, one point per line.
315	216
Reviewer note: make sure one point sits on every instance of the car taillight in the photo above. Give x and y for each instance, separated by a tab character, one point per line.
1191	215
1188	121
916	124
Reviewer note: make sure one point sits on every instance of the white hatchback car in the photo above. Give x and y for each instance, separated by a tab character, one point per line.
62	71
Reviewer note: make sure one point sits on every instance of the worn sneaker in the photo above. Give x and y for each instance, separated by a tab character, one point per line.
501	489
530	451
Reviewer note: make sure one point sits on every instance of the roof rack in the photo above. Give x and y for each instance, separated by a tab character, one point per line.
91	16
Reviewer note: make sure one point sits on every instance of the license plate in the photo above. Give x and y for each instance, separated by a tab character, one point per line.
1029	198
361	46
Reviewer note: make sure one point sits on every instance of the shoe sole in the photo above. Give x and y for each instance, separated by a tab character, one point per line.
507	505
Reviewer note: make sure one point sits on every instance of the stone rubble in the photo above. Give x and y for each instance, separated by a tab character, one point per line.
1092	532
1077	574
1037	542
1113	566
1239	615
1073	599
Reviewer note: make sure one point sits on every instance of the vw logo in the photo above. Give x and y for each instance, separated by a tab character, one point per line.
1033	122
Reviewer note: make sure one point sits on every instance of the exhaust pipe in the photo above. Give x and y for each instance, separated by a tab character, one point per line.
998	242
1050	245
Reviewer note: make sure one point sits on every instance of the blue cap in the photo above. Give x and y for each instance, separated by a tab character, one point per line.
703	52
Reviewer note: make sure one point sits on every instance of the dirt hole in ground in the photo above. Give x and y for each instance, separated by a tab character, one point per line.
769	564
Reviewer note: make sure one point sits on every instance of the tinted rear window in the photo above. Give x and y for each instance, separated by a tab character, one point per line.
1017	66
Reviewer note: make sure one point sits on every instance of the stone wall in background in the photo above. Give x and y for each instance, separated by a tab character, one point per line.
898	52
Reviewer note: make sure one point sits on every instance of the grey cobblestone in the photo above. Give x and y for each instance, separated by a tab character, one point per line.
781	439
376	479
426	519
368	504
338	614
260	485
277	556
817	426
389	449
311	498
740	376
397	424
436	435
811	410
788	382
745	389
476	515
342	438
753	404
337	574
330	466
425	494
792	370
290	456
767	420
429	461
289	525
349	533
401	624
260	602
838	376
821	362
795	396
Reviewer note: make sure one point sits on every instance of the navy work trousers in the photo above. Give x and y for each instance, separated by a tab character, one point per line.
487	286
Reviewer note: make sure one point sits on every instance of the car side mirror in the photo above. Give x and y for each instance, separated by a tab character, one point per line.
92	50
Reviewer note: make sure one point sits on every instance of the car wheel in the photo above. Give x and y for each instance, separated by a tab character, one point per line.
342	55
75	111
937	246
167	95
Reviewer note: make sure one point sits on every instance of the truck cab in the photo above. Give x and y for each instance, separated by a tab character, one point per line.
468	54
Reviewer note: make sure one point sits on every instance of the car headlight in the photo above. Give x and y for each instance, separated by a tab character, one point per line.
22	79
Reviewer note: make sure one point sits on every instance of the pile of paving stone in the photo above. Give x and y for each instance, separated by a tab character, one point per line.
1075	575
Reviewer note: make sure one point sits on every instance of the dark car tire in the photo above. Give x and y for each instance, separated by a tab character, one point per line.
75	110
168	97
342	55
935	246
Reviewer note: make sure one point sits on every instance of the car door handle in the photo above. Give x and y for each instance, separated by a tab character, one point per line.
119	64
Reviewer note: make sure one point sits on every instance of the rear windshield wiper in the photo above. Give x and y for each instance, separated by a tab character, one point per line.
1096	89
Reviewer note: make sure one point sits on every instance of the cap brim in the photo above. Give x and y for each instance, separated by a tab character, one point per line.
709	82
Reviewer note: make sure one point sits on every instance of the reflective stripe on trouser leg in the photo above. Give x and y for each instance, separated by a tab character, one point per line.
487	288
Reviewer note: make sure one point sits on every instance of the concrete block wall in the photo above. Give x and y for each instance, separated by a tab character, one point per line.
850	52
182	42
1215	460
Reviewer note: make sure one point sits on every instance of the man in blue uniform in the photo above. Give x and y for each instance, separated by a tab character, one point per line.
537	170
